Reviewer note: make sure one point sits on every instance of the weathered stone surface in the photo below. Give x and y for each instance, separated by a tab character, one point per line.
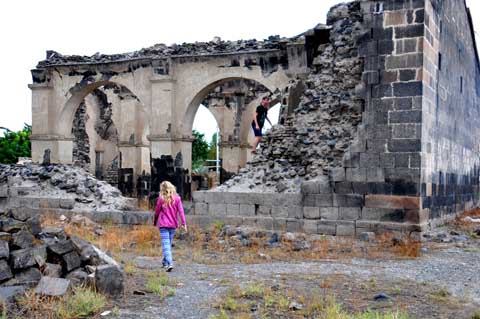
51	286
34	226
5	272
11	225
24	258
8	294
61	247
109	280
19	214
29	277
23	239
52	270
71	261
4	249
384	201
77	277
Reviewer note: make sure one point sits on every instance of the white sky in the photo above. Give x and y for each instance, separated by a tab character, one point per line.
29	28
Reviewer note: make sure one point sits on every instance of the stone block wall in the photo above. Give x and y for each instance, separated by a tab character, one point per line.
451	111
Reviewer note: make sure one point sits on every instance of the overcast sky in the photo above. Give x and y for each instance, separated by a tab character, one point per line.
29	28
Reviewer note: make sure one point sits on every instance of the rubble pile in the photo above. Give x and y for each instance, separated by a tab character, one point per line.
50	260
315	137
61	181
158	51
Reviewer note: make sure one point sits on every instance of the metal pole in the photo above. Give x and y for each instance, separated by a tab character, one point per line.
218	153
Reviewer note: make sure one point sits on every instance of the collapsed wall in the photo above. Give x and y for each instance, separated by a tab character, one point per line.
314	137
59	189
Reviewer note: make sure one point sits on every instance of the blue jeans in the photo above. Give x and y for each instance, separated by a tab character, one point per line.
167	240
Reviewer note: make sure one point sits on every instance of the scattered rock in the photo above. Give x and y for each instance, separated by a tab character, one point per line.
294	306
109	280
381	296
51	286
367	236
8	294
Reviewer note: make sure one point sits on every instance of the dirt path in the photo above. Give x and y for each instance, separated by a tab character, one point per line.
355	281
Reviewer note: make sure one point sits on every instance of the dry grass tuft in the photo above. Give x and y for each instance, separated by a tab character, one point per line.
404	246
461	224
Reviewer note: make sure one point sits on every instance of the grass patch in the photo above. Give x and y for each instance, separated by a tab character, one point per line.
276	303
160	284
80	302
84	302
130	267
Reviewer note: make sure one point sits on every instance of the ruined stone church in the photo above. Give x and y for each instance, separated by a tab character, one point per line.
378	127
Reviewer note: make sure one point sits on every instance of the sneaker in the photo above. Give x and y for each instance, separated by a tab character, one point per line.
169	268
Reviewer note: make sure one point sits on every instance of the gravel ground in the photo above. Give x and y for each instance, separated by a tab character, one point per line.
455	269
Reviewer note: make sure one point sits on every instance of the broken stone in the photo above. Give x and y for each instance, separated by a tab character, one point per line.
4	250
53	232
61	247
19	214
367	236
34	225
5	272
77	277
52	270
23	239
24	258
29	277
71	261
51	286
109	280
8	294
11	225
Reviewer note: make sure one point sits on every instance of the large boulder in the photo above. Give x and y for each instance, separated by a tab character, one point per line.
109	280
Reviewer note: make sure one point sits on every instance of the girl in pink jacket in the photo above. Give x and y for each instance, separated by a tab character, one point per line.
169	206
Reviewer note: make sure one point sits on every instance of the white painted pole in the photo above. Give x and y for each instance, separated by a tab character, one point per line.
217	162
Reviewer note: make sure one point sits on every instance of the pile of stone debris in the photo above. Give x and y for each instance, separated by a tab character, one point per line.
50	260
83	191
316	136
216	46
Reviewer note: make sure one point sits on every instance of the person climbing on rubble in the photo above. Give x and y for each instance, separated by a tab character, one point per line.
259	120
169	207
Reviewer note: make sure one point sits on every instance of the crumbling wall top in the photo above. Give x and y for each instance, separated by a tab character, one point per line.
162	51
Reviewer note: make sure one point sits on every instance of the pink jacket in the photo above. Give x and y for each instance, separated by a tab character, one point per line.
168	216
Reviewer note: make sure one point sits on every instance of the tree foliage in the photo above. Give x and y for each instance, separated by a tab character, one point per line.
15	144
199	149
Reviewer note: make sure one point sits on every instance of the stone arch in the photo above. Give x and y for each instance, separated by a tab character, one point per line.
78	94
192	108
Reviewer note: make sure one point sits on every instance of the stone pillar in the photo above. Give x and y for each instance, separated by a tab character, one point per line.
60	148
231	156
43	121
184	146
161	116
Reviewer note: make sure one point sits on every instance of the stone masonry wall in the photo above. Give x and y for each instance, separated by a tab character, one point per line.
451	111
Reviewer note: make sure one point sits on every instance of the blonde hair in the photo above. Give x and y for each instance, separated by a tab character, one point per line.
167	192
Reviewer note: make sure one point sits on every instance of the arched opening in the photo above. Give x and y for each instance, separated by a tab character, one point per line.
107	124
232	103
